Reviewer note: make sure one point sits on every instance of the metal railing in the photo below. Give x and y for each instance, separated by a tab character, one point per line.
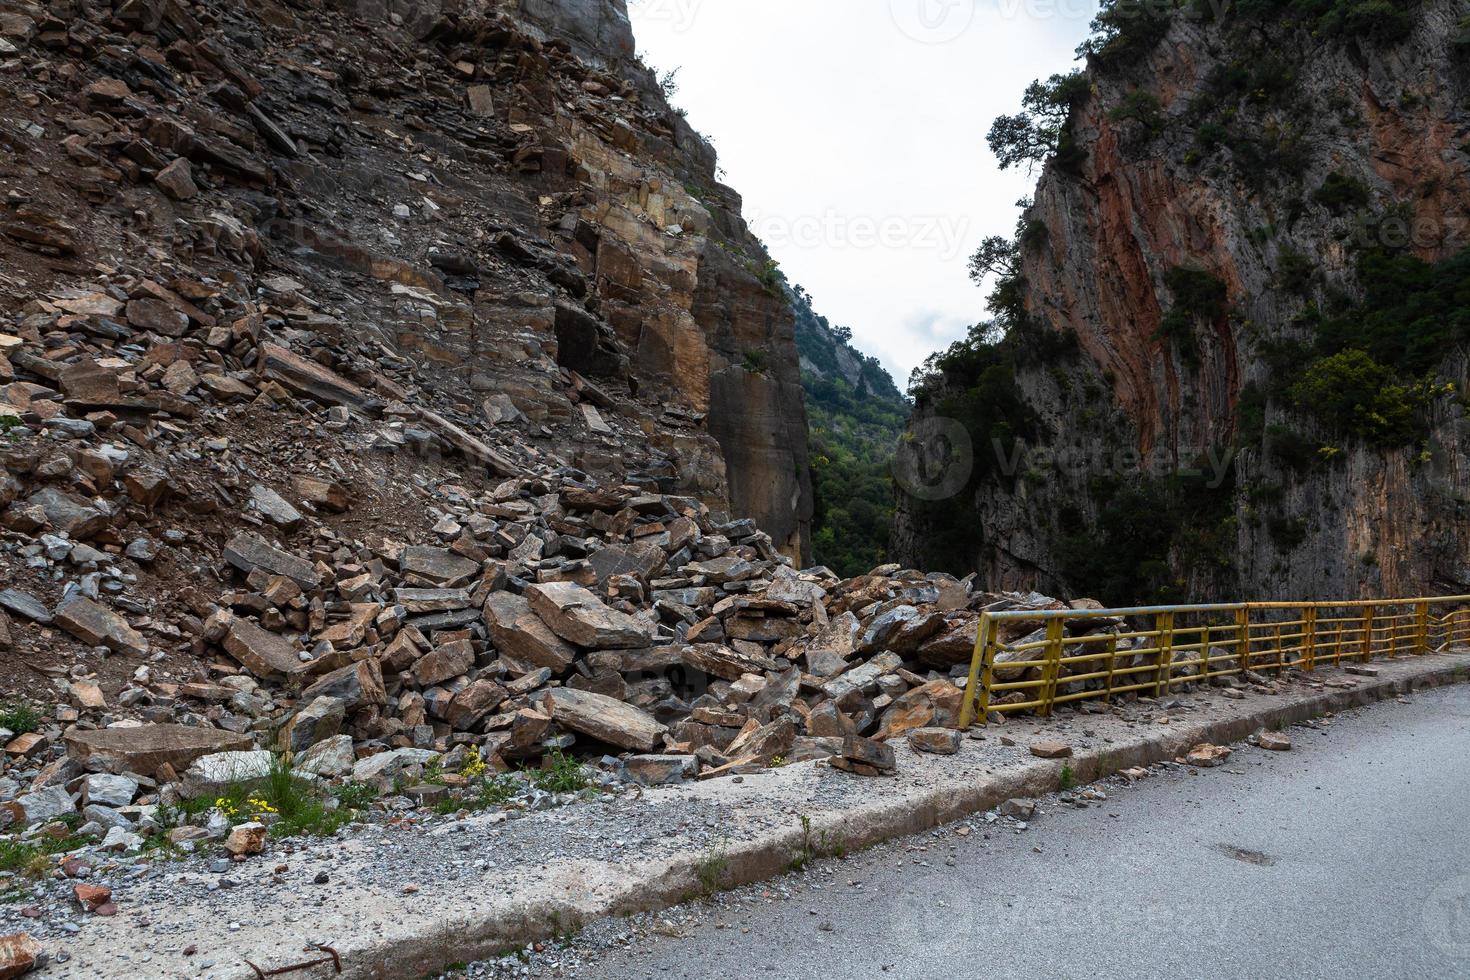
1034	660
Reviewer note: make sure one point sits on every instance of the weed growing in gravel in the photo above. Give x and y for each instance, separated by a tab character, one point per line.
814	846
20	717
294	806
711	870
497	790
560	774
355	796
33	859
1069	778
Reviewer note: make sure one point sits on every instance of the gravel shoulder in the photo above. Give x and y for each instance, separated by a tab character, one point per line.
406	901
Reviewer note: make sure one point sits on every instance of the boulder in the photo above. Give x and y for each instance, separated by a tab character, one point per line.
579	617
249	552
449	661
64	512
318	721
213	775
437	567
262	653
389	764
724	662
95	624
146	749
246	839
661	770
357	685
19	955
518	632
45	805
936	741
330	758
274	508
604	718
105	789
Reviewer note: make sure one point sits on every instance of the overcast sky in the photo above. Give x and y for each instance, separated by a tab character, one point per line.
855	129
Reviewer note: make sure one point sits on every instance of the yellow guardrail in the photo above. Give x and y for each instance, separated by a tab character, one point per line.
1067	655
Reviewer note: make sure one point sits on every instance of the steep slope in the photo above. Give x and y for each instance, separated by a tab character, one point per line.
1243	267
856	418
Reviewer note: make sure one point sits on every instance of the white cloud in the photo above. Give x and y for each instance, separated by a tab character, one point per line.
855	130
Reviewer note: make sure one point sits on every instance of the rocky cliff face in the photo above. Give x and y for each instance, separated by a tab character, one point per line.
495	193
1240	184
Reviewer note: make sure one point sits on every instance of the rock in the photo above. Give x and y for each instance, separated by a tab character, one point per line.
764	743
91	897
480	100
389	764
1051	750
25	605
321	719
177	180
95	624
661	770
445	663
1208	756
937	741
19	955
933	705
44	805
77	518
330	758
212	775
147	749
1018	809
865	757
274	508
323	494
246	839
315	381
357	685
437	567
517	631
474	703
120	841
724	662
105	789
579	617
262	653
249	552
1273	742
25	746
604	718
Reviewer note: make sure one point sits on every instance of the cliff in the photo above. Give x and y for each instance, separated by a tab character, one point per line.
1243	261
493	196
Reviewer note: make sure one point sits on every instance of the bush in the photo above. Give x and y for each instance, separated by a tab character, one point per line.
1199	297
1340	192
1139	107
1356	394
19	717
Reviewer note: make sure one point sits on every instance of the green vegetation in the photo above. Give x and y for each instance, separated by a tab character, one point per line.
560	773
711	870
1340	193
19	717
855	416
1200	299
1041	130
293	806
1069	778
812	847
34	858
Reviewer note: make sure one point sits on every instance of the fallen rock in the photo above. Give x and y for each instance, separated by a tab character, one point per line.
246	839
19	955
1051	750
148	748
249	552
262	653
330	758
357	685
1208	756
274	508
937	741
1018	809
661	770
579	617
1273	742
91	897
518	632
604	718
865	757
321	719
95	624
211	775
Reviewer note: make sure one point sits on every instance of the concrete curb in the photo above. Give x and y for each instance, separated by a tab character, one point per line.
561	897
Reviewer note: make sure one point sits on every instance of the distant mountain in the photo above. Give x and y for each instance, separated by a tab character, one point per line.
855	417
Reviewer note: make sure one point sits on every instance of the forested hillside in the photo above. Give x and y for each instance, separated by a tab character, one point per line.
855	415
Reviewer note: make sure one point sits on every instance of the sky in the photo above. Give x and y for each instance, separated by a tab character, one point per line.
855	130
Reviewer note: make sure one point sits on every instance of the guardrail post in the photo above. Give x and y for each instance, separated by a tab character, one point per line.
1053	669
1421	640
1112	665
1309	637
1165	640
1367	633
1243	638
979	686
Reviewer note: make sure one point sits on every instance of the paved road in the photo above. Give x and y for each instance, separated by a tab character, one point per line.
1364	829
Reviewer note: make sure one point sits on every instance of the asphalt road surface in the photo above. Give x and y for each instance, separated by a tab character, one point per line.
1347	857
